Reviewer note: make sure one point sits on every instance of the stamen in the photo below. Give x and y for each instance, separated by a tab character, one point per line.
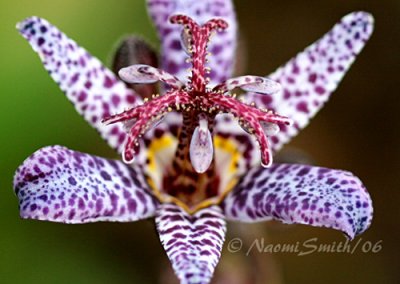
248	83
250	118
201	147
145	116
186	43
270	129
145	74
128	124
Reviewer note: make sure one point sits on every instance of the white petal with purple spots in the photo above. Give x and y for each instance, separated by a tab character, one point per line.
302	194
193	243
309	79
222	47
93	89
61	185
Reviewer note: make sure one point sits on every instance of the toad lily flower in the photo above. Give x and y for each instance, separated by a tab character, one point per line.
194	156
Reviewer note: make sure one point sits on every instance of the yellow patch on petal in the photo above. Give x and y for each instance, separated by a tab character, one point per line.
160	153
227	152
229	166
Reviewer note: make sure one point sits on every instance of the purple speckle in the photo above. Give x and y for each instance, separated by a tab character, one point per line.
312	78
72	180
320	90
176	45
82	96
40	41
115	100
216	49
99	204
43	197
105	175
303	171
81	204
88	84
108	82
132	205
46	210
302	106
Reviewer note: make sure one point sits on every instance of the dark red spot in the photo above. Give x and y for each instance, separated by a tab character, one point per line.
82	96
266	99
115	100
130	99
312	78
114	130
295	69
302	106
108	82
319	90
74	79
88	84
172	67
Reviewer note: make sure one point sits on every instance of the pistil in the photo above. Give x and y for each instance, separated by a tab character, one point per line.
192	172
196	40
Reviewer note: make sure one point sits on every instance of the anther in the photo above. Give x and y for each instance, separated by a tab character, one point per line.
201	146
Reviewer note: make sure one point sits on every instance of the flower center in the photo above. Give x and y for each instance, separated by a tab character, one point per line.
193	177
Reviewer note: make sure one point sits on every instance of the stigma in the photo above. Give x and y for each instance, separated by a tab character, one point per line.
197	101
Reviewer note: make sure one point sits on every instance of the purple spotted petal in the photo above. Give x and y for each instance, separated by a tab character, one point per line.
193	243
222	45
302	194
61	185
92	88
309	79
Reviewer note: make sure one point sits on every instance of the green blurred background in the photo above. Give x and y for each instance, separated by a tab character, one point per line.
357	131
